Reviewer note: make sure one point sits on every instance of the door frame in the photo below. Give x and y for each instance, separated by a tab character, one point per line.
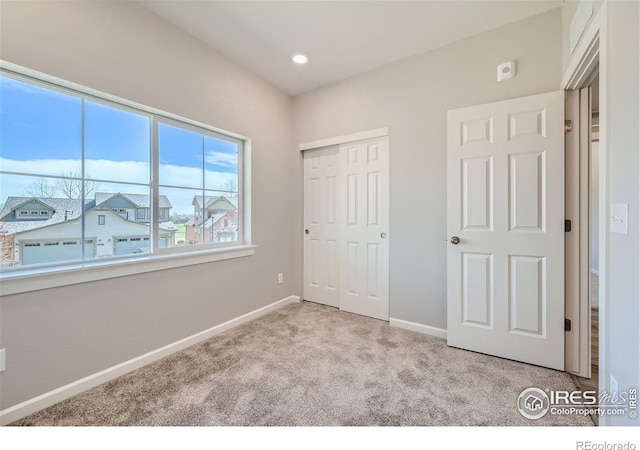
345	139
591	58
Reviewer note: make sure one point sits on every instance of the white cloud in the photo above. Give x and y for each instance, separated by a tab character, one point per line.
41	166
222	159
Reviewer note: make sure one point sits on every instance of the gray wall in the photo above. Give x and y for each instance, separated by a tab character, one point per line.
569	9
412	97
623	145
60	335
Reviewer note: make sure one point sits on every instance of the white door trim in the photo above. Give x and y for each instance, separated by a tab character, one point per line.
592	50
361	136
577	242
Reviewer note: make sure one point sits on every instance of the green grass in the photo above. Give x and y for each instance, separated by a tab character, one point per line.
181	233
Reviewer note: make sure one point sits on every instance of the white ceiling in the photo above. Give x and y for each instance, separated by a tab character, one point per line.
342	38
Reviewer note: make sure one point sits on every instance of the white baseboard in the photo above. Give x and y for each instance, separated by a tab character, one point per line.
418	327
595	272
30	406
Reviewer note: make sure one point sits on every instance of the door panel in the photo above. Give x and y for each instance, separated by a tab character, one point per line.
365	229
477	196
505	198
477	292
321	220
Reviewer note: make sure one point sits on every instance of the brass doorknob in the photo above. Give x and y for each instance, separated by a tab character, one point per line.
455	240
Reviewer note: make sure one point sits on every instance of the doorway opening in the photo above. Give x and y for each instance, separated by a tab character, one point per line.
584	275
594	231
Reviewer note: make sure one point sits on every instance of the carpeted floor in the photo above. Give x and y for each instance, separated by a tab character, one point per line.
308	364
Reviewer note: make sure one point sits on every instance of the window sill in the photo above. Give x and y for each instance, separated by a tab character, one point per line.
37	279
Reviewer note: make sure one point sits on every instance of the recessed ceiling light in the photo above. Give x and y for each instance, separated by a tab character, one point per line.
300	58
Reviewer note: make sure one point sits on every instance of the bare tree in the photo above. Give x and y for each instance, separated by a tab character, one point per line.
43	188
72	187
231	186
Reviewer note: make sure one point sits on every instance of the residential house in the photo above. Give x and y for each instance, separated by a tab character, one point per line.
37	230
215	219
134	207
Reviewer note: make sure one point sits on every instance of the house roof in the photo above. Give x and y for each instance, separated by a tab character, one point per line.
210	200
16	202
164	226
70	207
214	219
139	200
66	209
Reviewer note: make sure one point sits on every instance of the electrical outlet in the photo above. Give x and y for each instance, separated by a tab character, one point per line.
3	364
280	278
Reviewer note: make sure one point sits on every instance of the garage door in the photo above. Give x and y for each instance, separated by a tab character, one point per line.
51	251
131	245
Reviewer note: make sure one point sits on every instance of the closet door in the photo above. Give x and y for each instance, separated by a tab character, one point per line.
321	187
364	229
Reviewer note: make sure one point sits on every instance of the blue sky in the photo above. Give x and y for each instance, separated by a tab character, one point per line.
38	124
41	134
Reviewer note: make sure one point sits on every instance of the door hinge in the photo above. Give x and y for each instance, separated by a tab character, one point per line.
567	226
568	126
567	325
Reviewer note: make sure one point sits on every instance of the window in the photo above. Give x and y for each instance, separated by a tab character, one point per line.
93	157
199	169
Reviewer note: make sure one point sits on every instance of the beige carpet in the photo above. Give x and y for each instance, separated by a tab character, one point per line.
307	364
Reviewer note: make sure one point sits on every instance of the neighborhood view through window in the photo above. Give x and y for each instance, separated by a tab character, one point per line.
75	179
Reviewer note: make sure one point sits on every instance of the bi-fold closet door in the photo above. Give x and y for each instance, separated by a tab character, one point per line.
346	220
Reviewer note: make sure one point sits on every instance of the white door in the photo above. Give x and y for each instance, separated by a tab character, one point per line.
321	226
346	219
505	223
364	240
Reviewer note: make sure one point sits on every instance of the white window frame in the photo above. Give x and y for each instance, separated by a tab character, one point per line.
216	135
67	273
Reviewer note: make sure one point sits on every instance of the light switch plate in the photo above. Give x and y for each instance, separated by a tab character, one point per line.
620	218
